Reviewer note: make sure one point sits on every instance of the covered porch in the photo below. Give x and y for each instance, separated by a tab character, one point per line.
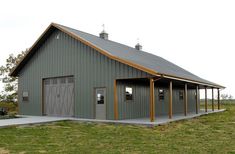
180	100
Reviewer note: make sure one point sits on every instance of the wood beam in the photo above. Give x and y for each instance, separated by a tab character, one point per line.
170	100
115	100
197	101
185	99
152	101
212	99
205	99
218	99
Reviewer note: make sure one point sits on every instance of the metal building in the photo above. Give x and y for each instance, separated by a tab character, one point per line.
72	73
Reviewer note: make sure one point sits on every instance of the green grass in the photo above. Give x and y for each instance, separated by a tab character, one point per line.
214	133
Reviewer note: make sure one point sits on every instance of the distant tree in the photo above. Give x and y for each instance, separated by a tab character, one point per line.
10	83
224	96
230	97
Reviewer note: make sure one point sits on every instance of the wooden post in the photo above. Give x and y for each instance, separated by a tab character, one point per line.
197	101
170	100
212	100
185	99
152	101
205	99
115	100
218	99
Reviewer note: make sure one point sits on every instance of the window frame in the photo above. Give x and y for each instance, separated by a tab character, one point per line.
24	98
125	94
163	93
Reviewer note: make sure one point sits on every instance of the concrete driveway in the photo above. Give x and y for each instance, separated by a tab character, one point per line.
27	120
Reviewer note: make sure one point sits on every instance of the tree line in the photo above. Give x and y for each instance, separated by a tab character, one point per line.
10	84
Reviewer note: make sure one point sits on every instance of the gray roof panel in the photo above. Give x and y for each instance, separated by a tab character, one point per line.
145	59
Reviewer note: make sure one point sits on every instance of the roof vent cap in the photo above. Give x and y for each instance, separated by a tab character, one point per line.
138	46
104	34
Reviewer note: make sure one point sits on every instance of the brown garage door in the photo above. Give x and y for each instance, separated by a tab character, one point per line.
59	96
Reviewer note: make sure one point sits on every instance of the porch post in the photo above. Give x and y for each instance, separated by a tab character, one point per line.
185	99
152	101
197	100
205	99
218	99
170	100
212	100
115	100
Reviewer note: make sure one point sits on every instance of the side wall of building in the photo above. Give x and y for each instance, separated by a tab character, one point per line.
139	106
61	55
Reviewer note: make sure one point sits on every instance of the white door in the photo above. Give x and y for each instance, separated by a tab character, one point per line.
100	103
59	96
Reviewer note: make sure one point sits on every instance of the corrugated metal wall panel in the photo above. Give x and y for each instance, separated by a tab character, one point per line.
64	57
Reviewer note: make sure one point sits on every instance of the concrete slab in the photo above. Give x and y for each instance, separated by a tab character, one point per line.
28	120
160	120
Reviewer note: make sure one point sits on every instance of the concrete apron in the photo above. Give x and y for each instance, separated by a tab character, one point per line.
160	120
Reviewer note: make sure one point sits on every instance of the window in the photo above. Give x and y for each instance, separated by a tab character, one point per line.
181	95
70	80
47	81
25	96
129	93
63	80
100	98
54	81
161	94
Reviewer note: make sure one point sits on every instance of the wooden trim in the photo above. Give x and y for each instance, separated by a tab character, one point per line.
205	99
188	80
30	49
152	101
137	66
115	100
197	101
102	51
218	99
212	100
185	99
170	100
136	78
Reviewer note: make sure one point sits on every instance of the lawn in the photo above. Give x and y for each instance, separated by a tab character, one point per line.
214	133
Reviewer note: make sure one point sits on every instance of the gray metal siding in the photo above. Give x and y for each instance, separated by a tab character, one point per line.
64	57
139	106
161	106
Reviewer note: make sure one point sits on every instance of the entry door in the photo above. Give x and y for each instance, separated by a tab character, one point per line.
100	103
59	96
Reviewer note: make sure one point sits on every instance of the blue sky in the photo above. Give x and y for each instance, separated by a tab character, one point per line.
196	35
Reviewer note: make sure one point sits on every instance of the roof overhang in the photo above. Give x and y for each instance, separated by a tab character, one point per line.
54	26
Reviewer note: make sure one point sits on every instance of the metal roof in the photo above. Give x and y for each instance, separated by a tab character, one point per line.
147	60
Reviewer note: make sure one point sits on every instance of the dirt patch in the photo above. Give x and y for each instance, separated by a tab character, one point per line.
4	151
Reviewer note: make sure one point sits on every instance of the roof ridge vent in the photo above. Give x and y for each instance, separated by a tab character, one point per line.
104	34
